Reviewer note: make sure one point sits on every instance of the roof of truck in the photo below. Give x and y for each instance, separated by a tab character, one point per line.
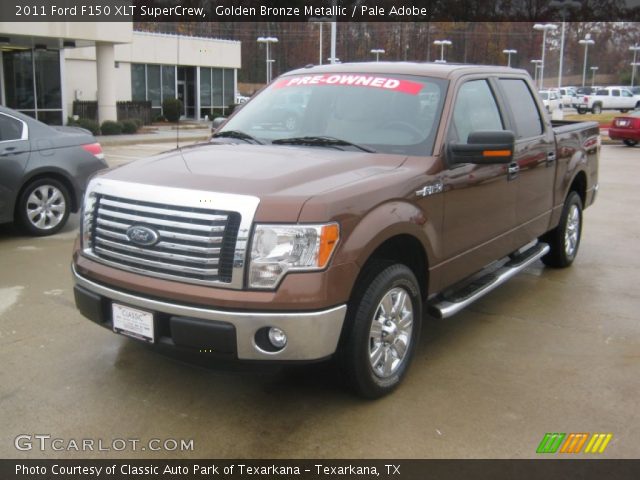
439	70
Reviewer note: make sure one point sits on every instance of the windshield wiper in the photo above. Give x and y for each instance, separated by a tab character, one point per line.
320	141
237	134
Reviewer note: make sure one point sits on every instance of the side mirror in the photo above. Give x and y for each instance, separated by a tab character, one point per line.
217	122
483	147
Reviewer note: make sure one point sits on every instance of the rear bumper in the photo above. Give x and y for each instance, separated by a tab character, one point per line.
310	335
624	134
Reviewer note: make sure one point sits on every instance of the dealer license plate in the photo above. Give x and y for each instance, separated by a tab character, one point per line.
133	322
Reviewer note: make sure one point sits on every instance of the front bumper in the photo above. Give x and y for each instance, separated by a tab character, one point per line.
310	335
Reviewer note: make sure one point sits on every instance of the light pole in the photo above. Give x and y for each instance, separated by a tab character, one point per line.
563	6
593	75
535	71
442	44
268	61
586	41
634	49
509	52
377	52
545	28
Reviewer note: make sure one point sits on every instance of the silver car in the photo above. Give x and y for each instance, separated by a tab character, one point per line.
43	171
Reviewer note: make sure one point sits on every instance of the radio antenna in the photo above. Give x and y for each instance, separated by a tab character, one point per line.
176	85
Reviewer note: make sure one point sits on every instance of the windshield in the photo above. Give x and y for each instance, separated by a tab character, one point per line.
544	95
384	113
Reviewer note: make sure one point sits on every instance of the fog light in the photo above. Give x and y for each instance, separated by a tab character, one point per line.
277	337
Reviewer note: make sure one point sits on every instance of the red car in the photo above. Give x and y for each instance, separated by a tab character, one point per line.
626	128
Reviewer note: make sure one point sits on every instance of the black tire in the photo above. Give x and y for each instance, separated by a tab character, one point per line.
630	143
581	111
624	110
56	205
564	246
596	109
360	343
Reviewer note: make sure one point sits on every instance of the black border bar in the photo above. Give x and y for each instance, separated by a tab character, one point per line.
306	10
322	469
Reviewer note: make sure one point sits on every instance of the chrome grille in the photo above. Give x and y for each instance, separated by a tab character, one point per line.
194	244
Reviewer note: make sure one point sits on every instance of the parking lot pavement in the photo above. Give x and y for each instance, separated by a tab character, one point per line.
550	351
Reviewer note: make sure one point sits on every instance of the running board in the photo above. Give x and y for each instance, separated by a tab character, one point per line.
451	302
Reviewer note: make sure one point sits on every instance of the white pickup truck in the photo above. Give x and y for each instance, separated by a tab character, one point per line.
608	98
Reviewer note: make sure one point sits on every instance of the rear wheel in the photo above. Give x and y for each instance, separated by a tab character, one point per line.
624	110
630	143
44	206
383	329
564	240
597	109
581	111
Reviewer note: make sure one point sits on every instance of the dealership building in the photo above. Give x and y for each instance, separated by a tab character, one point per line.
46	66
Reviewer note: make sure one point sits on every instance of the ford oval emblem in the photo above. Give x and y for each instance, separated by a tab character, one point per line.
142	235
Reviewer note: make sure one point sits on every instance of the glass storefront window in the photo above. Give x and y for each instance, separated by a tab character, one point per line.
33	85
217	77
153	85
229	85
168	81
205	87
18	77
138	82
47	82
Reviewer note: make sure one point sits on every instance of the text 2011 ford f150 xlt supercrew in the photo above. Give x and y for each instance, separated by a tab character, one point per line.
326	229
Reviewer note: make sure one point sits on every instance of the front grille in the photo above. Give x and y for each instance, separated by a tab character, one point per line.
194	244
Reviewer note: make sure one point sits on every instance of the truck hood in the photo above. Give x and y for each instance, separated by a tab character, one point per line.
284	173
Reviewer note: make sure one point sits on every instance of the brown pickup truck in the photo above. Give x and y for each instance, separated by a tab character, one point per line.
332	212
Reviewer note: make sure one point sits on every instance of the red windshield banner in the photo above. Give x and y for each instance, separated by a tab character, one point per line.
355	80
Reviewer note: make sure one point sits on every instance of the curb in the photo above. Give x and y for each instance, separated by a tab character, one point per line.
132	140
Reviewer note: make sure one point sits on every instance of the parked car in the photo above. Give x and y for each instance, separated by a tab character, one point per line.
626	128
608	98
550	100
331	241
43	171
569	97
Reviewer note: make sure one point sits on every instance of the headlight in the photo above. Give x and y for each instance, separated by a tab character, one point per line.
86	219
278	249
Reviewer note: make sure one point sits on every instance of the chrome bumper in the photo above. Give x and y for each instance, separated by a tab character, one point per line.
310	335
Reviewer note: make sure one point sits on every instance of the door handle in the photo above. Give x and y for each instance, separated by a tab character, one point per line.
551	157
512	171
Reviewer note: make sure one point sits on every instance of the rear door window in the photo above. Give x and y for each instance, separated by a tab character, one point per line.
526	116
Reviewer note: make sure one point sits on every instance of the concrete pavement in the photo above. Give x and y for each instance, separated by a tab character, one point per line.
551	351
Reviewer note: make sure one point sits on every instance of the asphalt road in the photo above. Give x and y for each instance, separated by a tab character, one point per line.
551	351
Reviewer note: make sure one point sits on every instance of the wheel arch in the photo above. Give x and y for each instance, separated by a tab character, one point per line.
579	185
53	174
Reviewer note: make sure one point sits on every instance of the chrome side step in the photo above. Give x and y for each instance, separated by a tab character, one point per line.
452	301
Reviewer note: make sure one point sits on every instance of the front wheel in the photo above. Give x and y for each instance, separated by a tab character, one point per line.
564	240
382	331
596	109
630	143
43	207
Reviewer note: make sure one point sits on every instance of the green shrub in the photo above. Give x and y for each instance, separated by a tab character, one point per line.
129	126
139	123
172	108
159	118
88	124
109	127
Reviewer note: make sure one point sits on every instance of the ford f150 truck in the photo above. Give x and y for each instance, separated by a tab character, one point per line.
401	189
